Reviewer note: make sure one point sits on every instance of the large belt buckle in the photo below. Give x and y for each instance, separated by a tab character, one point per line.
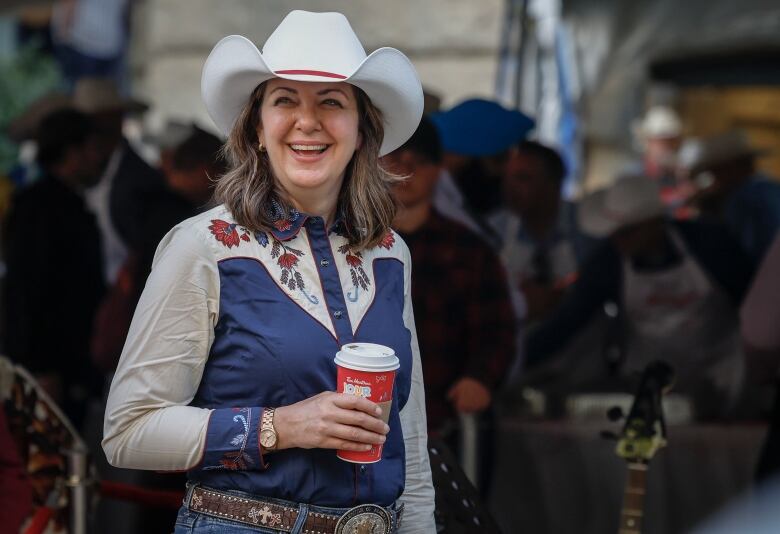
364	519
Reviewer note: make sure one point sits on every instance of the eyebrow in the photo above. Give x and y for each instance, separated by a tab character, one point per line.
332	90
319	93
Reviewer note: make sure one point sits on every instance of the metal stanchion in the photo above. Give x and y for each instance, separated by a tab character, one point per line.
78	483
469	446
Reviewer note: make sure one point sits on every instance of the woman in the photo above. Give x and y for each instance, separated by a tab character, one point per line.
228	368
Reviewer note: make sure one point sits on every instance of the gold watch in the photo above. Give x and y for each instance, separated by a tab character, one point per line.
268	437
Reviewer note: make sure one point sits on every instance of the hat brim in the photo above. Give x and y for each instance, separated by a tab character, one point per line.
713	160
236	67
23	127
596	219
591	218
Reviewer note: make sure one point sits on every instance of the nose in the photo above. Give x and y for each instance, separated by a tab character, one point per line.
308	119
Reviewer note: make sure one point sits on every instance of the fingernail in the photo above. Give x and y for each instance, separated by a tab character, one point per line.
382	439
367	447
378	410
387	429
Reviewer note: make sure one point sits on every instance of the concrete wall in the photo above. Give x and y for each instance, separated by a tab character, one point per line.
453	43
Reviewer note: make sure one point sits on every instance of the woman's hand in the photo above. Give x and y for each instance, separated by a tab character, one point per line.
330	421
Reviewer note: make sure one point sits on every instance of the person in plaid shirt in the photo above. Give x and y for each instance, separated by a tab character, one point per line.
464	317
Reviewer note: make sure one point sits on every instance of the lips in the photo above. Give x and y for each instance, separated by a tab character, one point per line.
308	150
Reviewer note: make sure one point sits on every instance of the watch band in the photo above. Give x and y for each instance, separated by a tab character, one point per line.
267	424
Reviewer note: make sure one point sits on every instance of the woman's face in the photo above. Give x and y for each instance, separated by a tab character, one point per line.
310	131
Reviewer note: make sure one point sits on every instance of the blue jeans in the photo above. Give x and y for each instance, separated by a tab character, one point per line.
189	522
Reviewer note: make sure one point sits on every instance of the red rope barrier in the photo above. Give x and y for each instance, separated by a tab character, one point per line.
40	520
147	497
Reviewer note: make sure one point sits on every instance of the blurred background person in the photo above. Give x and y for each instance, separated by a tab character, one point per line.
173	134
677	298
118	200
731	190
194	165
760	316
659	135
462	310
90	39
542	246
476	136
53	255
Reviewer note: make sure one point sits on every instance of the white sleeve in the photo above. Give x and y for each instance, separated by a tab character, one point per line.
148	424
418	496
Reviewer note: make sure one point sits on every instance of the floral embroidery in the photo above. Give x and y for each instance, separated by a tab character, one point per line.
229	234
288	261
287	258
282	224
239	459
360	279
388	241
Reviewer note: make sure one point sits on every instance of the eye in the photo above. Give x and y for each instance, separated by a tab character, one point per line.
283	100
332	102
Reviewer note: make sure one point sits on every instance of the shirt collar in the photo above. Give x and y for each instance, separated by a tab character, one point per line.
288	223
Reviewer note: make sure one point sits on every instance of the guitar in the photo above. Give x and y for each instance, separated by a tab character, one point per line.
643	434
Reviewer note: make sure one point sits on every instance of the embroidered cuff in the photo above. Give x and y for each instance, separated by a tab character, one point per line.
231	440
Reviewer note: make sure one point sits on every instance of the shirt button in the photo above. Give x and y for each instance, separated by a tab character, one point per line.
324	262
363	469
337	314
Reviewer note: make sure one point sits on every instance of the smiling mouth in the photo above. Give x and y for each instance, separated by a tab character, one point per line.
309	150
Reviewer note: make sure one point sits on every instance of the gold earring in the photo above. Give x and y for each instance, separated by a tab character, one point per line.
260	146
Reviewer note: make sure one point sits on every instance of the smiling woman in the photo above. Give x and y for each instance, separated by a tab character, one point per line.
230	356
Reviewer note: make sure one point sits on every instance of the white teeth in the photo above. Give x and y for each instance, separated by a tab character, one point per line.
309	147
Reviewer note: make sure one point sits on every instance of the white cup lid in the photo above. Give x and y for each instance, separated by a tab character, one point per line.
367	357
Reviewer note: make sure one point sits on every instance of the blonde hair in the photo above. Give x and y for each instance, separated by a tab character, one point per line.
248	188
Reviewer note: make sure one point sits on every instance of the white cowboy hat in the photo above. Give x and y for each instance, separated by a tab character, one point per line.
700	154
660	122
628	201
313	47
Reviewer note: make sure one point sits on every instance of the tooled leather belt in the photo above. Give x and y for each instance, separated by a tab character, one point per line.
269	514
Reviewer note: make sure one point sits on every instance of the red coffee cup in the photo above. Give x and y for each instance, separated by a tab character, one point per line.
367	370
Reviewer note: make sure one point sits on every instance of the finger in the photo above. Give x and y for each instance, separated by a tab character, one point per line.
345	445
360	419
353	402
355	434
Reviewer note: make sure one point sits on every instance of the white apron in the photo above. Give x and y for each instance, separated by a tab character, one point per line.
680	316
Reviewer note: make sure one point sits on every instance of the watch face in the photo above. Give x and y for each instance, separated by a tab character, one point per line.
267	439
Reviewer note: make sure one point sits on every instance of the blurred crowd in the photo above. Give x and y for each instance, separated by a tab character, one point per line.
522	298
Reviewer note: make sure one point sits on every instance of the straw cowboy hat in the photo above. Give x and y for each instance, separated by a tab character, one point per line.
313	47
701	154
96	95
24	127
660	122
628	201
